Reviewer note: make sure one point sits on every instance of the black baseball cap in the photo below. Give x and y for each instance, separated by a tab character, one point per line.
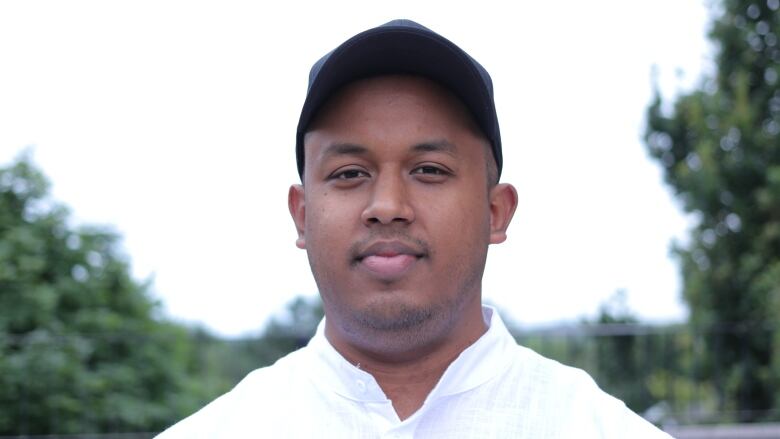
402	47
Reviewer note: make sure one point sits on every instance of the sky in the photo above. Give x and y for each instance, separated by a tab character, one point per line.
173	122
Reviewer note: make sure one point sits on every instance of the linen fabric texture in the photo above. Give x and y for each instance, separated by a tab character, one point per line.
494	389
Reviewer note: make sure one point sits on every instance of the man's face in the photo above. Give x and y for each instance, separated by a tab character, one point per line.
396	212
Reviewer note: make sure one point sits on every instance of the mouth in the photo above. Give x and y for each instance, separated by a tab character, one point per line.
389	260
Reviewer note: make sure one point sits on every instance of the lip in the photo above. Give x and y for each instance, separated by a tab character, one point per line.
388	260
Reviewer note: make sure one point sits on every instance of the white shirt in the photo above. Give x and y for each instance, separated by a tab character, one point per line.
494	389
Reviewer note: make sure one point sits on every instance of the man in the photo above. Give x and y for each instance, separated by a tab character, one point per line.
399	154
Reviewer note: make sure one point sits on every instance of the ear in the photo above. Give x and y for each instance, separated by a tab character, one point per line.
503	202
297	206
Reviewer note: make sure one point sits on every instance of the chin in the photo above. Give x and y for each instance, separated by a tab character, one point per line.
395	317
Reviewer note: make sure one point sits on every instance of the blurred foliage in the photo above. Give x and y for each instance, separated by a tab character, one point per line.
290	331
80	349
620	365
720	152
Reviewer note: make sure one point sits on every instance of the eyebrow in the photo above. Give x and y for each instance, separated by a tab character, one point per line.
436	146
338	149
341	149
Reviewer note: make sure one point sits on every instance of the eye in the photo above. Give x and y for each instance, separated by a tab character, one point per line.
348	174
430	170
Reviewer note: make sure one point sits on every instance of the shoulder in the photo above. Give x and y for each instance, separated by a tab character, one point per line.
544	373
558	392
250	403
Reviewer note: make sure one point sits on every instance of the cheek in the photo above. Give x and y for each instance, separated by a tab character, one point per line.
460	214
329	219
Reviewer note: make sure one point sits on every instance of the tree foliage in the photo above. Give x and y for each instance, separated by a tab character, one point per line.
80	347
720	152
291	331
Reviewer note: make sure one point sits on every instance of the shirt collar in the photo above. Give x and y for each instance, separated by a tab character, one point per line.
483	360
488	357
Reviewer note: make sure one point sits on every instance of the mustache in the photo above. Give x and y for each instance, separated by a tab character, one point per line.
359	248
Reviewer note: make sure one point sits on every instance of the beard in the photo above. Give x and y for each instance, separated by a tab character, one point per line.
395	317
393	331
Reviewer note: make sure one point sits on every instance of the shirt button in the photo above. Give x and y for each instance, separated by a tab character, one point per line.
361	386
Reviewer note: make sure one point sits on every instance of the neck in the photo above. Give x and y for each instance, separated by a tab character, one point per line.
407	379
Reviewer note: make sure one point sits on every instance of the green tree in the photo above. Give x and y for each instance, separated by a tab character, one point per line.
289	331
80	347
720	152
619	350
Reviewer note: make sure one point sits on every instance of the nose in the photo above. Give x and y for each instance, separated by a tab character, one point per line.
389	202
